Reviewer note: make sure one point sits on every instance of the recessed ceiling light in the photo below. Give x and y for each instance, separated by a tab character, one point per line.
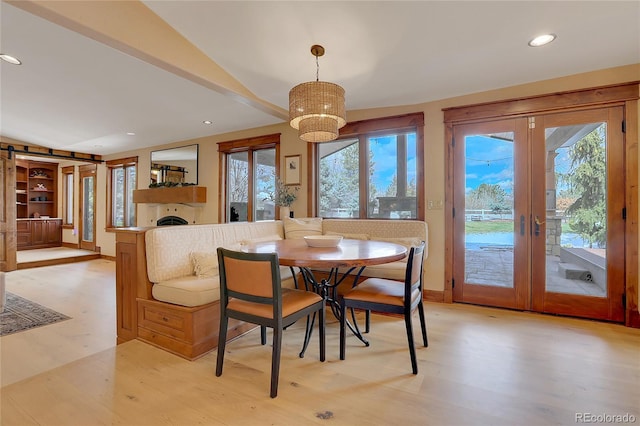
131	133
209	122
11	59
541	40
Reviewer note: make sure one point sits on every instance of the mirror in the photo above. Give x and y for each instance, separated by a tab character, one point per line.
175	166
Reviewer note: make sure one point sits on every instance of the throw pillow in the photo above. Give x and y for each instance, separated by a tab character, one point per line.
205	264
299	228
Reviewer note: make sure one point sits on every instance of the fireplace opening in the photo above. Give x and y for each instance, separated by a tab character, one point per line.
171	220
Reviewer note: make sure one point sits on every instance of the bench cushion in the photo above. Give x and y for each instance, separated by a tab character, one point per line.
193	291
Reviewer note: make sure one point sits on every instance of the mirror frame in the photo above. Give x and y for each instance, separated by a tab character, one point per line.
188	179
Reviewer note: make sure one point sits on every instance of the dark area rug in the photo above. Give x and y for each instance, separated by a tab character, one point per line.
21	314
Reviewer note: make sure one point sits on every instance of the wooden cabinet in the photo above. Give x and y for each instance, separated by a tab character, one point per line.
39	233
36	200
36	189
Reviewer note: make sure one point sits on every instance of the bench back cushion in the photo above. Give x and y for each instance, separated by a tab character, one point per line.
169	248
379	229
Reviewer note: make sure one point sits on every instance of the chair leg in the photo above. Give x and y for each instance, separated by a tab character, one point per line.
321	333
412	347
263	335
367	321
275	361
343	320
222	342
423	324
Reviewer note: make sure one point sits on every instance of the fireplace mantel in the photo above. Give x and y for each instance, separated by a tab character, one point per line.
176	194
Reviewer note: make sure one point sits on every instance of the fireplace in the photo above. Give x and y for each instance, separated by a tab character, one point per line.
171	220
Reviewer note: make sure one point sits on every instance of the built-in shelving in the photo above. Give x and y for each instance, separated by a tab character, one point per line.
36	189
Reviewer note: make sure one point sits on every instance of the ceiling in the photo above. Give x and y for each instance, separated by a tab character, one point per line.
75	93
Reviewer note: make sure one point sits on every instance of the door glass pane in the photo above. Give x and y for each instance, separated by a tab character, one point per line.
131	186
339	180
68	202
576	222
117	205
88	213
489	209
237	186
265	184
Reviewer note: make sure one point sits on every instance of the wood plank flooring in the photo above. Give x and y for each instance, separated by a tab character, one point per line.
483	367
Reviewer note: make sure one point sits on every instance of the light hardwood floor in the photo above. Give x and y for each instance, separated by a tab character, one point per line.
483	367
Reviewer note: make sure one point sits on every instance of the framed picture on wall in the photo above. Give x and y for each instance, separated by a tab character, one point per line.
292	170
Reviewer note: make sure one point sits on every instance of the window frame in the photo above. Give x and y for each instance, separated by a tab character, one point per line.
66	172
121	163
362	130
249	145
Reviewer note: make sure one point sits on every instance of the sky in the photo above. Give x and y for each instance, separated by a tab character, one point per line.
489	160
385	157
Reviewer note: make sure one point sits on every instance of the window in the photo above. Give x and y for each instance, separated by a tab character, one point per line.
67	201
121	176
373	171
249	168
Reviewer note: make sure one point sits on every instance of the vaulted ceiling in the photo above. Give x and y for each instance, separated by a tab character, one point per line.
82	88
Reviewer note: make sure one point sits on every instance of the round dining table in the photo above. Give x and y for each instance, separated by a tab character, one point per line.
340	261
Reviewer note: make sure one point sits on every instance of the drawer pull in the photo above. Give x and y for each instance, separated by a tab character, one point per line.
165	319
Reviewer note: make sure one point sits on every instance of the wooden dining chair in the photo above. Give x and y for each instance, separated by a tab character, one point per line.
389	296
250	291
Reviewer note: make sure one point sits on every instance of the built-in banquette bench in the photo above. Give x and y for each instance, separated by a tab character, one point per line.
167	286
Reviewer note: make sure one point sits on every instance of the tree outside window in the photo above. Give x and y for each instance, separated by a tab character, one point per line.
387	187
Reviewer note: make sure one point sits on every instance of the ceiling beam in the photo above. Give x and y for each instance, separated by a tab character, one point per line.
131	27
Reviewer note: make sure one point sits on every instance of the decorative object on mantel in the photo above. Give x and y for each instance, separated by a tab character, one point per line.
169	184
317	108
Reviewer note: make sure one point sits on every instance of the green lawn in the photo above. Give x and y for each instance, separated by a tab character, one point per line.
487	226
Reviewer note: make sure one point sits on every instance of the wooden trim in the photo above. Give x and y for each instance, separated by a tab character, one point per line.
176	194
71	245
394	123
8	224
535	105
259	142
632	316
121	162
433	296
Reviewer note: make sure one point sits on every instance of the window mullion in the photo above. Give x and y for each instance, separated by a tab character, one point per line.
363	147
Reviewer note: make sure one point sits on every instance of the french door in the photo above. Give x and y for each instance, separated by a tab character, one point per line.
538	213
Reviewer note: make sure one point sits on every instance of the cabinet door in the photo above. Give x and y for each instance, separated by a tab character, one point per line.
24	233
37	232
53	231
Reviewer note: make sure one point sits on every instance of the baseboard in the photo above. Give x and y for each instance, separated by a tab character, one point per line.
106	257
433	296
633	319
71	245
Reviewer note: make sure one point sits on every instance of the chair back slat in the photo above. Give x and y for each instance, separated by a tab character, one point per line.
248	277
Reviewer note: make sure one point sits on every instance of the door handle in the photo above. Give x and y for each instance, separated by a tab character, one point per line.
537	227
522	225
